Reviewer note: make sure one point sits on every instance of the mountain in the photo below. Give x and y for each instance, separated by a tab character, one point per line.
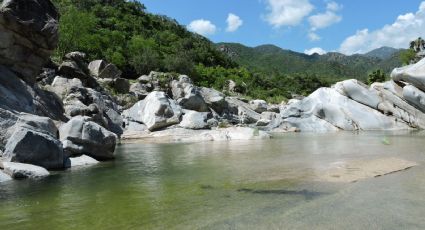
272	59
384	52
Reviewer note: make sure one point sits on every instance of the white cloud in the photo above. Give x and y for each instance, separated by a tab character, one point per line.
333	6
313	37
287	12
317	50
233	23
323	20
202	27
406	27
320	21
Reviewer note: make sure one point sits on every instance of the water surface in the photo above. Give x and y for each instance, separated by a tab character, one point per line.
262	184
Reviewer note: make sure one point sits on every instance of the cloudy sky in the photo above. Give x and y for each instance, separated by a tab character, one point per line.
347	26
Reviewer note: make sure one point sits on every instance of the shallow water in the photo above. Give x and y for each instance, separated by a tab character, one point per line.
264	184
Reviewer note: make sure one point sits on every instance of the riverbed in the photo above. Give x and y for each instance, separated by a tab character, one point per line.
257	184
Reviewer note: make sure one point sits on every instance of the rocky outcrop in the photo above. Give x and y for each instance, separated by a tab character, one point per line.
79	100
156	111
23	171
337	111
82	136
28	35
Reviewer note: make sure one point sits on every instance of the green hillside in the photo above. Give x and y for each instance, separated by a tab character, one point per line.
124	33
274	60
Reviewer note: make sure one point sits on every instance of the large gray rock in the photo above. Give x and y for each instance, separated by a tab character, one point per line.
28	35
80	136
156	111
102	69
413	74
187	95
243	110
258	106
194	120
23	171
214	99
33	147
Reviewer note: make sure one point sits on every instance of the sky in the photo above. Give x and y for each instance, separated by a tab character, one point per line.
308	26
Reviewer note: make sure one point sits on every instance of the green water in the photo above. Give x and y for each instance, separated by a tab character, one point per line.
266	184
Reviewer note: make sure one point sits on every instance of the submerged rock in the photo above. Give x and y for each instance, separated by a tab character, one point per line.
81	161
23	171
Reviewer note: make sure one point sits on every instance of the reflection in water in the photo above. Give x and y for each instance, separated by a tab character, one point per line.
261	184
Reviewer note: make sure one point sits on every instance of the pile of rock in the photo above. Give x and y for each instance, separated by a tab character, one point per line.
30	141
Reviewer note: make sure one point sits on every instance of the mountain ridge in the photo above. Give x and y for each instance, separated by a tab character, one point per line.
271	58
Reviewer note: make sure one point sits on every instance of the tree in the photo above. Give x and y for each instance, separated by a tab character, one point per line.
376	76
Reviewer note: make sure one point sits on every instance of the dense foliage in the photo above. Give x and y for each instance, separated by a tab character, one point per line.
376	76
136	41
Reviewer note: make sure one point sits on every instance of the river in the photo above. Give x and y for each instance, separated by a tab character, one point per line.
261	184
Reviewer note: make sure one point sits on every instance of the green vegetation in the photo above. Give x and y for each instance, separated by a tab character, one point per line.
376	76
124	33
138	42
